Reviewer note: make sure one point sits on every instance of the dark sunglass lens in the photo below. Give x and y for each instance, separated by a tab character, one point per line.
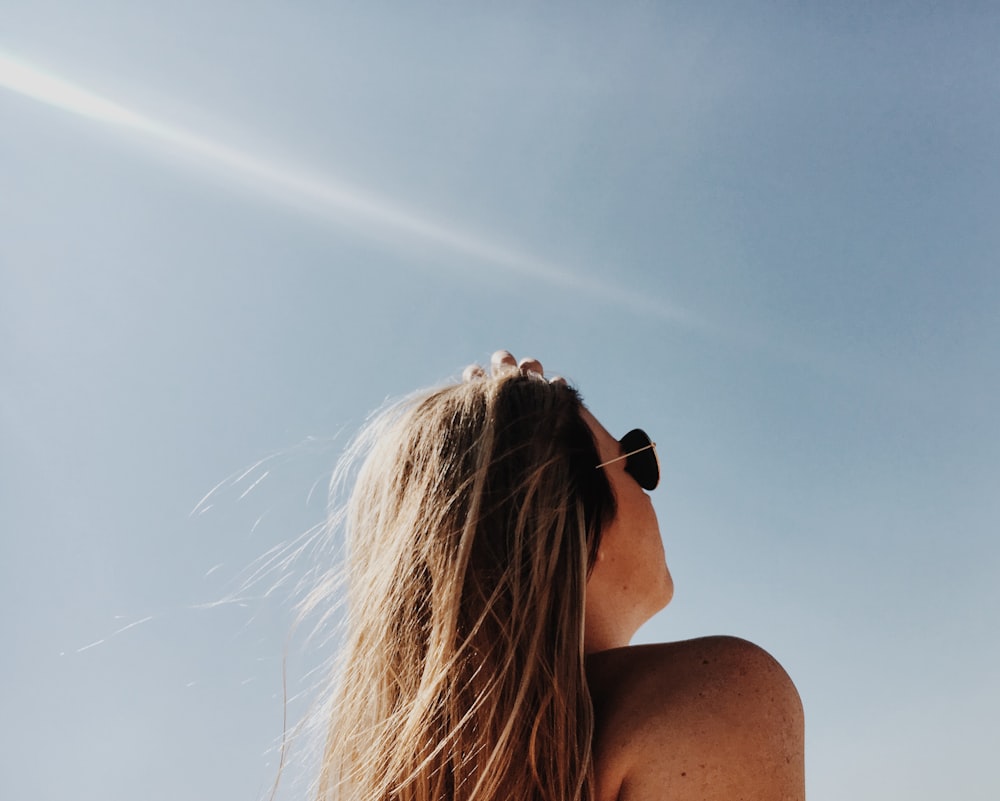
642	465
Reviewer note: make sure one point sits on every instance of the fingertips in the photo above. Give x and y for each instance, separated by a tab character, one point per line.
529	365
501	362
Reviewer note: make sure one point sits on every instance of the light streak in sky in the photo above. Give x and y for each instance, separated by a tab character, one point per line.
331	199
133	624
33	83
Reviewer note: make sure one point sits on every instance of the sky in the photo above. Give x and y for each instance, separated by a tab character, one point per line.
764	232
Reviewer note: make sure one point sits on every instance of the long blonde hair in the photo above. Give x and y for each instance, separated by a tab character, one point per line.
470	531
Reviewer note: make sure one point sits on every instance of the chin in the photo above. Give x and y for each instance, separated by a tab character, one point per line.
667	592
658	599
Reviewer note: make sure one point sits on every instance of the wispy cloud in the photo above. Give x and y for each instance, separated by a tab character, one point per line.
326	197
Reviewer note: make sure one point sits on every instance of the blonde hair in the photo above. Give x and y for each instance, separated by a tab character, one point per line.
470	531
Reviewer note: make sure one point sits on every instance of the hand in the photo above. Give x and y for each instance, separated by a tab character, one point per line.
503	362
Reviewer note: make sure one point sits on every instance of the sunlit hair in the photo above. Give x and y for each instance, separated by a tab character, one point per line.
474	520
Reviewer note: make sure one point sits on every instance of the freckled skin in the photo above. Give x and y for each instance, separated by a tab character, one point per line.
712	719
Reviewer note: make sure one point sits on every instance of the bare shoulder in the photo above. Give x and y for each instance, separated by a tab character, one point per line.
711	718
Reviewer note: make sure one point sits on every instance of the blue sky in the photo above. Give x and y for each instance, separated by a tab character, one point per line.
764	232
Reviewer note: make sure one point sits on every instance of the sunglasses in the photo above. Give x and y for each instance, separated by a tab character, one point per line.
641	461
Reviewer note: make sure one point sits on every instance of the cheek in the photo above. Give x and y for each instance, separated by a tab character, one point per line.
631	557
645	527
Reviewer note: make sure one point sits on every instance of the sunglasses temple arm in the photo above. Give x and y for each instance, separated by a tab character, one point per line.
626	455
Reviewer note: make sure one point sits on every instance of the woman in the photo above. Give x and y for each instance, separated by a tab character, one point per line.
501	554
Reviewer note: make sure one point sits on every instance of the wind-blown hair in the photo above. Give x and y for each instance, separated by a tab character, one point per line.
470	532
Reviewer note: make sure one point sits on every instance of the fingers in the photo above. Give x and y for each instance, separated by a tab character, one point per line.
502	362
530	366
